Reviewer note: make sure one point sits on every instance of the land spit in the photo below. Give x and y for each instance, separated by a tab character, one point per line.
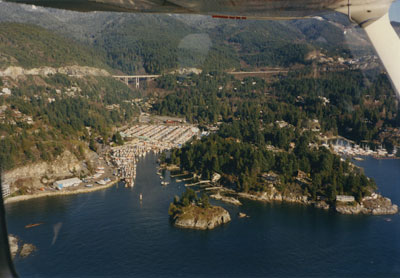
19	198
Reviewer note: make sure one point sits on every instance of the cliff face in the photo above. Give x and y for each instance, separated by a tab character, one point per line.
194	217
15	72
38	174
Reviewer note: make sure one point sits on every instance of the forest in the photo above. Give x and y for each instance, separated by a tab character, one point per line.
341	102
273	127
61	118
243	164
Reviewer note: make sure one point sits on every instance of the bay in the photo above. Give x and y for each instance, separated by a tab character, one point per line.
110	233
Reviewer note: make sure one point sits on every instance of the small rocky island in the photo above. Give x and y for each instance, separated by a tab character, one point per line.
192	212
15	249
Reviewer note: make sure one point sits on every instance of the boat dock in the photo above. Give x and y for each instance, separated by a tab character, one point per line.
143	139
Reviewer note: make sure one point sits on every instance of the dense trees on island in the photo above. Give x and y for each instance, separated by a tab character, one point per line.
188	198
242	165
266	127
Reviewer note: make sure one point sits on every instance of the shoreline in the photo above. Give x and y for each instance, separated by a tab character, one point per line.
368	206
20	198
382	205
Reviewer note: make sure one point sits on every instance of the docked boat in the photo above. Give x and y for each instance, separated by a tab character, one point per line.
164	183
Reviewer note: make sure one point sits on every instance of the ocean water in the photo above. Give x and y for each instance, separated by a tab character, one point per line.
110	233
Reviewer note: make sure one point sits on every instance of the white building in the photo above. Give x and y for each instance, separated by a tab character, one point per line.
67	183
5	91
5	190
345	198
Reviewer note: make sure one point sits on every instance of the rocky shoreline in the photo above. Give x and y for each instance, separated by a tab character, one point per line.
226	199
370	206
20	198
195	217
378	205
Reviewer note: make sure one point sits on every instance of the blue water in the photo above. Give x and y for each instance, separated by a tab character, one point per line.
111	233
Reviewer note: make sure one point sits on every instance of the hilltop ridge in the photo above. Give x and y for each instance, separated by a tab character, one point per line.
137	43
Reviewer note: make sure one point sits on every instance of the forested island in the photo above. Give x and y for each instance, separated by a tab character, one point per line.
192	212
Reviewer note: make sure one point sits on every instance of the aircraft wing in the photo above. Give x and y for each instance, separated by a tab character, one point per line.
262	9
372	15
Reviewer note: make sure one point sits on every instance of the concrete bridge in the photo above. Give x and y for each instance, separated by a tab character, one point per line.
136	78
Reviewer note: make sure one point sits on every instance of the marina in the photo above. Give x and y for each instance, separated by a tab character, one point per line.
143	139
349	148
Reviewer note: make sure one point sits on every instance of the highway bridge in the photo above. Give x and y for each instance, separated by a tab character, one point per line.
135	78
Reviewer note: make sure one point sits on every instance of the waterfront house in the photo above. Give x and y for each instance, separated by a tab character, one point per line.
302	178
67	183
345	198
271	177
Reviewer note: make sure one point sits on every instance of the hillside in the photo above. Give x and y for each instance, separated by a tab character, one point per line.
135	43
65	108
29	46
42	115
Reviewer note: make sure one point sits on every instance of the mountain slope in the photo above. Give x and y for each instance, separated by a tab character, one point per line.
159	43
30	46
42	115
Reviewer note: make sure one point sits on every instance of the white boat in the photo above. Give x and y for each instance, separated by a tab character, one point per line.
89	185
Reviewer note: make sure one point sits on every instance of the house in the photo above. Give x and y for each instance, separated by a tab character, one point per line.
344	198
215	177
302	178
66	183
5	91
271	177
